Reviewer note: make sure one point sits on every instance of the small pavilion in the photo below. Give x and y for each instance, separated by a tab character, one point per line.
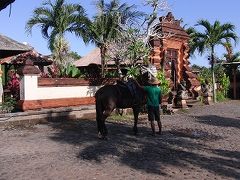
234	83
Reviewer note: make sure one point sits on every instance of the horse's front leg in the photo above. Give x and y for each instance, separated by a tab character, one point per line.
136	111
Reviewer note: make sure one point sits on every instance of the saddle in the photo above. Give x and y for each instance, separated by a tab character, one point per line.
130	86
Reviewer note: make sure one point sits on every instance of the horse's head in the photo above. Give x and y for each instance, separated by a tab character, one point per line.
147	73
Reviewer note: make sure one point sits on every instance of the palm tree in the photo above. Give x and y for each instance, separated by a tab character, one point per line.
191	31
214	34
107	24
55	19
61	50
230	56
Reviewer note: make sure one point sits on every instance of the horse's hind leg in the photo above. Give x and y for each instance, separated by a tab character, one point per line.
99	117
136	111
106	113
99	124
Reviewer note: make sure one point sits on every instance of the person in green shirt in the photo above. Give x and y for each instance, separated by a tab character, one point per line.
154	98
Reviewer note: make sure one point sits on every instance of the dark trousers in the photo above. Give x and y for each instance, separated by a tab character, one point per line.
153	113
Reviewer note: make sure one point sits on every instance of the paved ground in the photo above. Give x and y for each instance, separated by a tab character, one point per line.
200	143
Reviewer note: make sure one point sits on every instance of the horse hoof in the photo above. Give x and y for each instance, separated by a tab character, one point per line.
102	137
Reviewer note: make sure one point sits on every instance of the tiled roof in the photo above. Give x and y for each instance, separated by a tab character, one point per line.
34	56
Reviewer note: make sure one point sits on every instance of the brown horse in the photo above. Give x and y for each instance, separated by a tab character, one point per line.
121	96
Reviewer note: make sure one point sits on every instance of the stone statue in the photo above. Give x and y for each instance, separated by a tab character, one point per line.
182	90
206	89
206	93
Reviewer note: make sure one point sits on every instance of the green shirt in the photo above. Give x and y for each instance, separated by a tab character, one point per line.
153	95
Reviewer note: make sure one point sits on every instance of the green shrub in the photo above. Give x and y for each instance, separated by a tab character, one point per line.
8	105
164	83
220	96
111	74
133	72
70	71
225	84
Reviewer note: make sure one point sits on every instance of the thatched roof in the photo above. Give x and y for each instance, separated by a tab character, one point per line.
34	56
5	3
93	57
10	47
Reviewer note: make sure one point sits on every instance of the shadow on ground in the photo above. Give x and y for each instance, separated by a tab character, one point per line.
175	147
219	121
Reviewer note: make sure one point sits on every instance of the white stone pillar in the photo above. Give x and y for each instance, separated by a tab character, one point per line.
28	86
28	82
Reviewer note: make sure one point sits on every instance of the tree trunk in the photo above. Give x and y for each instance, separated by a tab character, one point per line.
103	52
213	75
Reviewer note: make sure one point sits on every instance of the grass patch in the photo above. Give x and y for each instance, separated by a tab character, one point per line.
123	118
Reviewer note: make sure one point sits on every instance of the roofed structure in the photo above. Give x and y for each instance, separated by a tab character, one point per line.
93	57
10	47
235	80
34	56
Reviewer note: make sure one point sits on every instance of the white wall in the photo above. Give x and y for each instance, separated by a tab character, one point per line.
29	90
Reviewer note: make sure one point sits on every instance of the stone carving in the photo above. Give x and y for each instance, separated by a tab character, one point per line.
206	93
206	89
182	92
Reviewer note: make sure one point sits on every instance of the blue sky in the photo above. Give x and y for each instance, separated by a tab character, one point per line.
189	10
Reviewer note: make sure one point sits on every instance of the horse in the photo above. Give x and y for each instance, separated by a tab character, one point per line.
120	95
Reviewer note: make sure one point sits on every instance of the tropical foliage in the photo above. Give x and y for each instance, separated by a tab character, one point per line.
55	20
70	71
164	83
222	79
133	72
213	35
8	105
106	25
225	84
14	85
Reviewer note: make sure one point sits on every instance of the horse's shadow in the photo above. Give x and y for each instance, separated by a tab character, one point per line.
143	152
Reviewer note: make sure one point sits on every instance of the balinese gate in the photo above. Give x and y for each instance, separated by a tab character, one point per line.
171	53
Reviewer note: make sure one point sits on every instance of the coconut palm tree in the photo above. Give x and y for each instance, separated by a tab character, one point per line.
213	35
107	24
57	18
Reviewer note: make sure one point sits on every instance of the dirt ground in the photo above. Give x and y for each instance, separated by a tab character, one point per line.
202	142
